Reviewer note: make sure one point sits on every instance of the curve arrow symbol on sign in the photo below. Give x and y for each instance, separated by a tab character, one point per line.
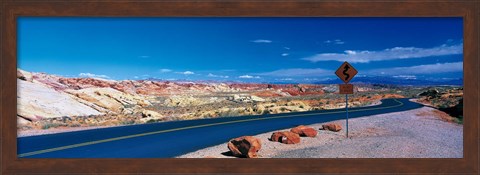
345	71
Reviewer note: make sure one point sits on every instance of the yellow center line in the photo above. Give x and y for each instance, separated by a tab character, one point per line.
189	127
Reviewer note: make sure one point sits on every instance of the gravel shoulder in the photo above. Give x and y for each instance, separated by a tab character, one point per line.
418	133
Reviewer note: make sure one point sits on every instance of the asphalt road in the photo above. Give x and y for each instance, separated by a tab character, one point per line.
170	139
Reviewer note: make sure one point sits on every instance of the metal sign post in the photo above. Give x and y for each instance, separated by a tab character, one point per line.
346	72
346	109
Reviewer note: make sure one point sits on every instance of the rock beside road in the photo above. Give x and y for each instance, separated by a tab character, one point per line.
335	127
286	137
304	131
246	146
151	115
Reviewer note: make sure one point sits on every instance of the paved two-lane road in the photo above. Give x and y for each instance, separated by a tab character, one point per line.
170	139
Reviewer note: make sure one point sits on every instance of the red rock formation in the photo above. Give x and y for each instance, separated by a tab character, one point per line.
49	80
266	94
149	87
296	90
246	146
304	131
126	86
331	127
247	86
286	137
80	83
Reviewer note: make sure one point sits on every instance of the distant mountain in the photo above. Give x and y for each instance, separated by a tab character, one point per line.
394	81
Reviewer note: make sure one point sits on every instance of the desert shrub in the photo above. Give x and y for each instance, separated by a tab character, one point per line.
92	124
301	106
127	122
259	111
152	121
207	116
266	112
459	120
74	125
229	113
48	125
283	109
22	78
24	127
443	106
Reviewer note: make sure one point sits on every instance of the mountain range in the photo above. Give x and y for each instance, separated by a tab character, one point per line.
395	81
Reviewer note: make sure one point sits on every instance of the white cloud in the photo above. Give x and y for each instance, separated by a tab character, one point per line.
366	56
262	41
288	48
186	73
285	79
228	70
165	70
136	77
299	72
408	77
144	56
217	76
313	79
248	76
90	75
449	78
421	69
284	54
336	41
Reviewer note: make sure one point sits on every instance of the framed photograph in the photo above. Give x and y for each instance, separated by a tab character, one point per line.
239	87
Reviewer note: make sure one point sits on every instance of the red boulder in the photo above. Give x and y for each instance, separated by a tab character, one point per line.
304	131
246	146
331	127
286	137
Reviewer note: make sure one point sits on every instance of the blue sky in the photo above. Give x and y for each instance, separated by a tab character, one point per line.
241	49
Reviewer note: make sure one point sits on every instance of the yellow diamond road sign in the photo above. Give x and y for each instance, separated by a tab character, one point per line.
346	72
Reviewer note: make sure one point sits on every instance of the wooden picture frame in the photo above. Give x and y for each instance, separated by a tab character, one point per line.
11	10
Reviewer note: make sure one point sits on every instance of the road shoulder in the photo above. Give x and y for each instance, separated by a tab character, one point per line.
418	133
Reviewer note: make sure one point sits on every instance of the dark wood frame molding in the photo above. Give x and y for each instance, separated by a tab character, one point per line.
10	10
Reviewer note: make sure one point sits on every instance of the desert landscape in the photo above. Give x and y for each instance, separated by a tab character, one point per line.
52	104
240	87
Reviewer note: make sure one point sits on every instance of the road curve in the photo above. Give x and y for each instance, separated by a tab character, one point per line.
170	139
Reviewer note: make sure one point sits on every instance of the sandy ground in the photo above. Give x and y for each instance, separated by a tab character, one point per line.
418	133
